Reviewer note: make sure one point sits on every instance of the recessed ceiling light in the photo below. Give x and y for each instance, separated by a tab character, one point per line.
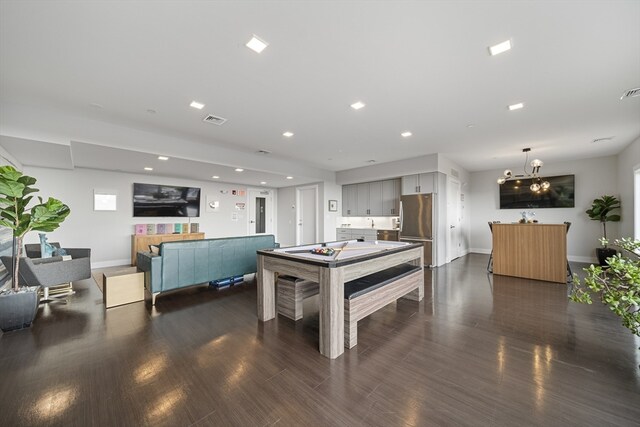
371	161
517	106
256	45
163	158
289	177
357	105
406	134
263	182
239	169
288	134
500	48
215	177
96	105
148	169
196	104
151	111
471	125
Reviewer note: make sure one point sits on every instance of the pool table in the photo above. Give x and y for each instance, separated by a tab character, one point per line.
351	259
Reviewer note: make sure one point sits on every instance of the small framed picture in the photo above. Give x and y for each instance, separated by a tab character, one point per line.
333	205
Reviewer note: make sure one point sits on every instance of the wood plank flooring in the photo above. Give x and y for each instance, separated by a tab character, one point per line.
479	350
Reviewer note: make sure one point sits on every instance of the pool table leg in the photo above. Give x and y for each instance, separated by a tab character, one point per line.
266	292
331	312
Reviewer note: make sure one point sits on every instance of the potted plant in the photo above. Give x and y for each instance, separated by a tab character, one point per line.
601	210
617	286
18	304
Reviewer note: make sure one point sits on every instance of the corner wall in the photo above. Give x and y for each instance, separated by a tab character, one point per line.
594	178
628	162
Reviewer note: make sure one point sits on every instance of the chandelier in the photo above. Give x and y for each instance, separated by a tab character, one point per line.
537	183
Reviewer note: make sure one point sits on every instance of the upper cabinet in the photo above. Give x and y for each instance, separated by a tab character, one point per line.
349	199
362	201
378	198
419	183
391	197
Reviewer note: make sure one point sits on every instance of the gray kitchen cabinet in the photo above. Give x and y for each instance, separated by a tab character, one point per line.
366	234
362	208
375	199
349	200
419	183
391	197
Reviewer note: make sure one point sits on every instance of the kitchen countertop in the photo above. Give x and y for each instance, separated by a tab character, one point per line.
368	228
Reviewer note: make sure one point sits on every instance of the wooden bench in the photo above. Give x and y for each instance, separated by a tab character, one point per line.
291	292
370	293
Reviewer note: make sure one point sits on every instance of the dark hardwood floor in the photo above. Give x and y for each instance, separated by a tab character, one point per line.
478	351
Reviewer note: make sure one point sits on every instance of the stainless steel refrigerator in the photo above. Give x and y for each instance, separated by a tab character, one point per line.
416	222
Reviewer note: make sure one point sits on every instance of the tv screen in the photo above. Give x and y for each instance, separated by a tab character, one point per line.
515	193
165	200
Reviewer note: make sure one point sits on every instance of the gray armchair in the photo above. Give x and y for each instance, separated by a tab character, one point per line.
54	271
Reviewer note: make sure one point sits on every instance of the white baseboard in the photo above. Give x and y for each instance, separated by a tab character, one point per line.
111	263
479	251
585	259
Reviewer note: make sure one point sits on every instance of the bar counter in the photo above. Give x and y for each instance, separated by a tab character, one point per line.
532	251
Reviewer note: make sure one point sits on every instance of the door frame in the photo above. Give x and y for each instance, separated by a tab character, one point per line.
269	206
299	209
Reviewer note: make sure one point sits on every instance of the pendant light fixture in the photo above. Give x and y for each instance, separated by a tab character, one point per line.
537	182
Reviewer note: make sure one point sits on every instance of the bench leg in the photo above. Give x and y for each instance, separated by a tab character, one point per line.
350	332
415	295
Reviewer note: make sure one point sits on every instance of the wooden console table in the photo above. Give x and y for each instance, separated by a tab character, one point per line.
141	242
532	251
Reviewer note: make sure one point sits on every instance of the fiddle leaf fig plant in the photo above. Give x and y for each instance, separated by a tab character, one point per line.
601	210
617	286
15	190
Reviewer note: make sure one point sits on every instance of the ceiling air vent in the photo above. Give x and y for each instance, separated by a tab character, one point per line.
214	119
605	139
631	93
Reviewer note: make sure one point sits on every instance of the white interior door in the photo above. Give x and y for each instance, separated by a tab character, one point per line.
307	219
454	237
259	211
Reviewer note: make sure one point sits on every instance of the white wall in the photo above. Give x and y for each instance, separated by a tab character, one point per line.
593	178
628	161
332	191
8	159
327	220
108	233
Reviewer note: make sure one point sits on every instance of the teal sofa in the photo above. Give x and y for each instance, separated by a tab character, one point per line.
193	262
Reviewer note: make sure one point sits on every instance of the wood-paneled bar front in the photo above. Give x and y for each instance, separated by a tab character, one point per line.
532	251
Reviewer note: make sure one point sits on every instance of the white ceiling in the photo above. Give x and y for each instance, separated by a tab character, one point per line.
419	66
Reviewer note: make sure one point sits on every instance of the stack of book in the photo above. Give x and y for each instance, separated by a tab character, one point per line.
142	229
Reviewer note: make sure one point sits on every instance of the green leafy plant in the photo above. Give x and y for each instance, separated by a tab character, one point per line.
617	286
601	210
15	196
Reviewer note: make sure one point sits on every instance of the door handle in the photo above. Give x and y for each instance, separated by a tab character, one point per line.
252	221
452	226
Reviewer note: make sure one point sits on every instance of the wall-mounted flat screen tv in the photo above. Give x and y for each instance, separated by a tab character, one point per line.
165	200
515	193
